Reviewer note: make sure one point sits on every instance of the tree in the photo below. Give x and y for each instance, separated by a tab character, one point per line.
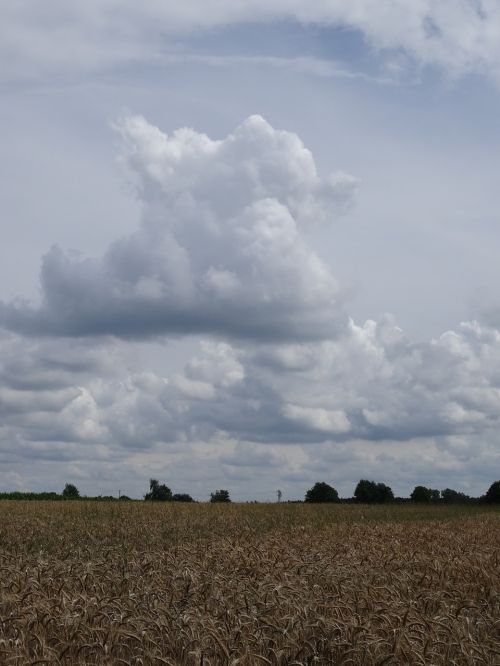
220	496
421	494
70	492
450	496
365	491
158	492
369	492
384	493
435	495
322	492
493	493
182	497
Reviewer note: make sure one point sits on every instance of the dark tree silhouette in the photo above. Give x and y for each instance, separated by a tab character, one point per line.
220	496
493	493
182	497
421	494
450	496
70	492
322	492
369	492
158	492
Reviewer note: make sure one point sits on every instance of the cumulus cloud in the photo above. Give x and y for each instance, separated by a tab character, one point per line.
369	402
47	407
221	248
371	384
458	36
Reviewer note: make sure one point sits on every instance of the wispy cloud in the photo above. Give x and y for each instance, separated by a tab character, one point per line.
319	67
458	37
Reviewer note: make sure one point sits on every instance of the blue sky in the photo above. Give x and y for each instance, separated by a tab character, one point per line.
257	308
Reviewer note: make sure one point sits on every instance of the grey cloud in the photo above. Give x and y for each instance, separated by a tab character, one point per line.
373	384
50	365
48	396
221	249
370	402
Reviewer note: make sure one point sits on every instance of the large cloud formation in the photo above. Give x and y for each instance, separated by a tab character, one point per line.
220	249
459	36
284	388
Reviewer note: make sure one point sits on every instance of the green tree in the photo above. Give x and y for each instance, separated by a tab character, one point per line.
369	492
70	491
421	494
158	492
322	492
220	496
493	493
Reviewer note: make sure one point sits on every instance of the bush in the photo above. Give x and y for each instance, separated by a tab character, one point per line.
182	497
220	496
322	492
17	495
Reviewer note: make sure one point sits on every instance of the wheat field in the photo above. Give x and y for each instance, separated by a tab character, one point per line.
141	584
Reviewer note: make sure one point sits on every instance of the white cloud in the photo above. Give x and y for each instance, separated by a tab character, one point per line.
221	248
324	420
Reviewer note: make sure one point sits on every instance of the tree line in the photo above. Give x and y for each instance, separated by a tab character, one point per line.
158	492
366	492
370	492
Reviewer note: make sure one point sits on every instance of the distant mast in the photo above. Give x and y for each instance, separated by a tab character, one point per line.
279	494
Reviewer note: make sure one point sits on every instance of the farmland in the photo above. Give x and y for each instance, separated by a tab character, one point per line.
152	583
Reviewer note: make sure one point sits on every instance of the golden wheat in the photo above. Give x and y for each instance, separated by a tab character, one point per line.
142	584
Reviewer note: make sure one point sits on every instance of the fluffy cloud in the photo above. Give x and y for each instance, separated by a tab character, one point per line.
371	384
371	402
221	248
47	407
457	35
285	388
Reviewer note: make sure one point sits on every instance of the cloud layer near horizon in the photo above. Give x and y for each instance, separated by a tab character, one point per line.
371	403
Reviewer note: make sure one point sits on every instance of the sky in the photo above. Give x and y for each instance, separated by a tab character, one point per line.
249	245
